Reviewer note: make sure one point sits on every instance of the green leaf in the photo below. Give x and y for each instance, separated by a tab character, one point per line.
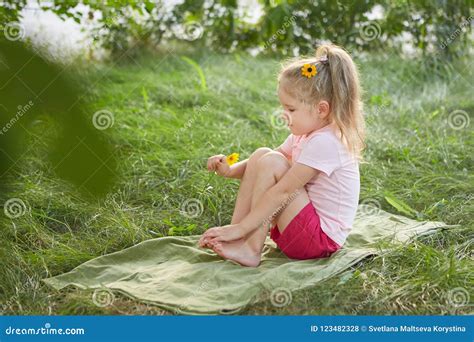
198	69
145	98
400	205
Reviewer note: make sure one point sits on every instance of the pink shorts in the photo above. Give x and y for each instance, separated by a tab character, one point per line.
303	238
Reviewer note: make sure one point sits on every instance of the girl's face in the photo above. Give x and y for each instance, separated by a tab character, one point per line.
302	118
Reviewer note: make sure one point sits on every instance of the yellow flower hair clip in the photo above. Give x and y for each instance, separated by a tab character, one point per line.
232	158
309	70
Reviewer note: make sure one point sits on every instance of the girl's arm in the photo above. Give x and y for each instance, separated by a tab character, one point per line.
278	149
276	197
237	170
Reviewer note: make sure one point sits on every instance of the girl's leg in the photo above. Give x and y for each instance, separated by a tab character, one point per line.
244	196
247	183
271	168
247	251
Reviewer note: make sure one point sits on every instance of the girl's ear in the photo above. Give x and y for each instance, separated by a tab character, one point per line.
323	109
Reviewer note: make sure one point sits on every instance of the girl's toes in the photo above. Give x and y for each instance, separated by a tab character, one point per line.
217	247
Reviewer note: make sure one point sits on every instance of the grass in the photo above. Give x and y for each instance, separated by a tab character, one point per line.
171	115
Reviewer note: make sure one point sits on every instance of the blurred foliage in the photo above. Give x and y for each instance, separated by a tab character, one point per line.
437	27
37	96
441	27
9	10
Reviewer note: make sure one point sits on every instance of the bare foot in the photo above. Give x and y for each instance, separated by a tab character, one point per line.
237	250
207	244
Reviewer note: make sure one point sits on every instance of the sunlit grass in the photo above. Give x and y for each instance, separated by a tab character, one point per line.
163	138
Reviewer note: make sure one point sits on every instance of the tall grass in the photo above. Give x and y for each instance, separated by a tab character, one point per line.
171	114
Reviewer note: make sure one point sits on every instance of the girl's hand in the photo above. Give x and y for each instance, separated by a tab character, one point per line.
218	164
230	232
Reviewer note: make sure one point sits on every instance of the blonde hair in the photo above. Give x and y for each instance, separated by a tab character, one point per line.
336	81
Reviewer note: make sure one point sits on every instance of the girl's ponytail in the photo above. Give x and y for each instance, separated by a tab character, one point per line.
345	96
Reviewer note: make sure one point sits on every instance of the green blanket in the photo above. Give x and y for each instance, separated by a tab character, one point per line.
173	273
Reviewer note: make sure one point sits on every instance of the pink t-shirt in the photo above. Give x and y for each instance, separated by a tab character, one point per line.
334	192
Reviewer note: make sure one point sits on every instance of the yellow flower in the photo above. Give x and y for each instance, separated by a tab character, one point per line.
309	70
232	158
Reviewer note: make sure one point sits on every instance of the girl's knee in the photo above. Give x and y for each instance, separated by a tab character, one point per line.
274	161
262	150
258	153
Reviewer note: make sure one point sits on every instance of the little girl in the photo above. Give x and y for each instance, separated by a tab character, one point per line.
305	191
